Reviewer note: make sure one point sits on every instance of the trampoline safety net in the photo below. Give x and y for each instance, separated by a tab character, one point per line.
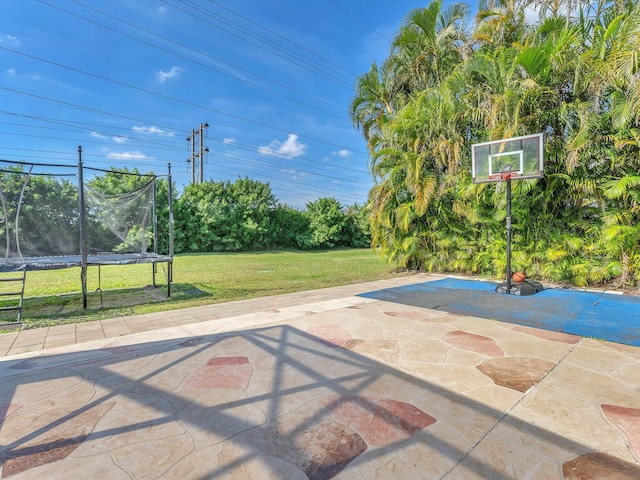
40	215
41	210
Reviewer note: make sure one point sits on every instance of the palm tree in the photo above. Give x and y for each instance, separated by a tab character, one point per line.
374	101
500	22
429	44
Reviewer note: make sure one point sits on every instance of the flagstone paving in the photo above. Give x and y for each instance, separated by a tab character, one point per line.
319	386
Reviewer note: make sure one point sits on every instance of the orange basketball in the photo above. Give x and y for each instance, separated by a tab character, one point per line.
518	276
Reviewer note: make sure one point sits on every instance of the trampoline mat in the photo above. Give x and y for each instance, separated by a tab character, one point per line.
69	261
605	316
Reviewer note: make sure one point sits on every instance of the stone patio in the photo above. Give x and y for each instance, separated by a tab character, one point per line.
316	385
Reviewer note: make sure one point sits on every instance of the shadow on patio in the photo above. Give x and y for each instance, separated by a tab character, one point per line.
274	402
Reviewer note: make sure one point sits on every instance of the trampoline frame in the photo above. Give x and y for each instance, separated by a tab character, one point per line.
84	259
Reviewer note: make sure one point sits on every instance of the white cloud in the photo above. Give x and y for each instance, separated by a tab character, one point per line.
344	153
11	71
134	155
294	174
152	131
116	138
291	147
229	141
9	39
162	76
162	10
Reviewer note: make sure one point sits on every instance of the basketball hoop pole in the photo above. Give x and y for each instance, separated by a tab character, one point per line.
508	235
506	177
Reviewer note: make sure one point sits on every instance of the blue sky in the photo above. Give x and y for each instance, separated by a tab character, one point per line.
129	80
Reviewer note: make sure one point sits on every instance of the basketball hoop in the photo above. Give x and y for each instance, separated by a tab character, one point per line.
501	161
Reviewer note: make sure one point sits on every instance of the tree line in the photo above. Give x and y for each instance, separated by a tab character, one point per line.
213	216
570	73
245	215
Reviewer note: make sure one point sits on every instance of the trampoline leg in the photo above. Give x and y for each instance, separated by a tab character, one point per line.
169	278
83	280
154	274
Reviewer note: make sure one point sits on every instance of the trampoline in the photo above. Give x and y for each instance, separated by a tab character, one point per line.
55	216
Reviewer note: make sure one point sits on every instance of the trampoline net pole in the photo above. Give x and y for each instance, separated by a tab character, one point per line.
155	217
171	221
155	229
83	230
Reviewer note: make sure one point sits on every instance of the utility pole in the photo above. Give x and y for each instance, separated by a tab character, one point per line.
196	143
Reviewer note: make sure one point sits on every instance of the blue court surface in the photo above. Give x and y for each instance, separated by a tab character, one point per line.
605	316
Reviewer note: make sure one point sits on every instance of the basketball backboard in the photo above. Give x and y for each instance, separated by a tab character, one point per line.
521	156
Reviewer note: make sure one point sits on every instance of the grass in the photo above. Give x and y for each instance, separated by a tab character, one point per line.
54	296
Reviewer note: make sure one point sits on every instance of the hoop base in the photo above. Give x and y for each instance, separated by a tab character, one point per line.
521	289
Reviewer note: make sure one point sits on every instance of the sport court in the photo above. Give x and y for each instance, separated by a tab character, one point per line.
607	316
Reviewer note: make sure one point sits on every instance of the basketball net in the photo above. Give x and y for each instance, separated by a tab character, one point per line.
502	177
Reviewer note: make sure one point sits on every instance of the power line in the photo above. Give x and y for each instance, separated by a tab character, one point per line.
158	94
126	138
261	87
166	145
357	19
290	157
245	159
305	188
72	156
31	135
107	113
190	49
302	187
149	91
252	148
353	75
306	63
82	107
237	158
85	125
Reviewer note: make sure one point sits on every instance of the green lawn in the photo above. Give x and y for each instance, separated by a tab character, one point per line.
55	296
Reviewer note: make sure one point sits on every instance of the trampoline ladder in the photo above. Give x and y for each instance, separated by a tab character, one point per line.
11	296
